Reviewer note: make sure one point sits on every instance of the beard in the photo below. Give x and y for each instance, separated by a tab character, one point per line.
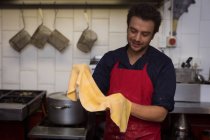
137	47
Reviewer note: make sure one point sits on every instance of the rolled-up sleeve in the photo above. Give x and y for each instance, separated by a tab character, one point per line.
165	86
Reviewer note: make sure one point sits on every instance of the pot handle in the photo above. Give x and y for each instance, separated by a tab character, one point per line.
60	107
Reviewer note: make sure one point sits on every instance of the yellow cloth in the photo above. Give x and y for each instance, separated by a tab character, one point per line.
92	98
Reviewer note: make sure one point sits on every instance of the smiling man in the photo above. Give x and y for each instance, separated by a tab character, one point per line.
143	74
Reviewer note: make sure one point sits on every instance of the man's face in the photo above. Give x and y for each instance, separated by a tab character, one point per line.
139	34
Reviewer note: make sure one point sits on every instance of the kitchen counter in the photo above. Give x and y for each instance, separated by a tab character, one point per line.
58	133
192	107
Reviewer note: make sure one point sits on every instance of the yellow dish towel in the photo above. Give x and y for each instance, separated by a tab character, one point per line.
92	99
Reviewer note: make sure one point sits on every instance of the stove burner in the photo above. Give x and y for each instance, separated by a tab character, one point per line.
24	94
21	100
48	123
16	105
22	97
4	92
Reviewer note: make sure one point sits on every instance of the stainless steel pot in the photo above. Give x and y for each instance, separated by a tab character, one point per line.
63	111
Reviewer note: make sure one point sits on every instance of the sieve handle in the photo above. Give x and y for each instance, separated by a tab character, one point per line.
41	14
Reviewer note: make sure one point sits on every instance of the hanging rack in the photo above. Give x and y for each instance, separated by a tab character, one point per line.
75	3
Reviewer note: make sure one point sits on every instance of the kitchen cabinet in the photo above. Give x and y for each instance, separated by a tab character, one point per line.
18	130
197	123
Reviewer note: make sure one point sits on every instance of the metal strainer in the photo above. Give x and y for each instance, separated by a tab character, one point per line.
41	35
21	39
57	39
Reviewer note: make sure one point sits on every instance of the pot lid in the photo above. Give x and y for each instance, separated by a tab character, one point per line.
58	96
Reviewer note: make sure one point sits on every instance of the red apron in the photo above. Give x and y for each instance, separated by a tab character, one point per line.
136	86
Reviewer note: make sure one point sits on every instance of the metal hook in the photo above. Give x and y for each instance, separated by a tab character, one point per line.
86	15
56	12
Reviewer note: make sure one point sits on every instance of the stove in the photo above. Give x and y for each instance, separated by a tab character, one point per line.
16	105
48	130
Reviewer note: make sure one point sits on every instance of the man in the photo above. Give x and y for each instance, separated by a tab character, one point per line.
144	75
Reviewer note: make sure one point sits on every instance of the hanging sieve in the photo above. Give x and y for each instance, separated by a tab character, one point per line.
41	35
57	39
21	39
87	38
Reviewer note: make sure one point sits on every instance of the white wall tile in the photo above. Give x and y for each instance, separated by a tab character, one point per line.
47	51
0	30
205	10
117	40
204	33
0	79
10	86
48	87
175	55
64	60
80	22
100	13
65	26
28	58
48	18
190	43
179	27
10	70
191	20
99	51
197	4
30	12
81	61
205	93
50	68
13	22
0	57
165	28
204	56
61	81
46	71
30	24
155	41
28	80
100	26
166	14
65	13
118	21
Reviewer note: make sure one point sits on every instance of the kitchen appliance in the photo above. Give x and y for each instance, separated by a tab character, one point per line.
94	61
63	111
181	128
65	120
16	105
46	129
187	92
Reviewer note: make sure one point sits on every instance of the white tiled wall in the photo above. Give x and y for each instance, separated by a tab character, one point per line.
49	69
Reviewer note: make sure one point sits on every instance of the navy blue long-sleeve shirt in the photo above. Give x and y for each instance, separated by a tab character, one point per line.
159	68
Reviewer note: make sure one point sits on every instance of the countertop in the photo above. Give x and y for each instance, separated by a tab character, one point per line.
192	107
58	133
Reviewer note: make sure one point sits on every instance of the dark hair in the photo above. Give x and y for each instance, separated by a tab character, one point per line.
145	12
